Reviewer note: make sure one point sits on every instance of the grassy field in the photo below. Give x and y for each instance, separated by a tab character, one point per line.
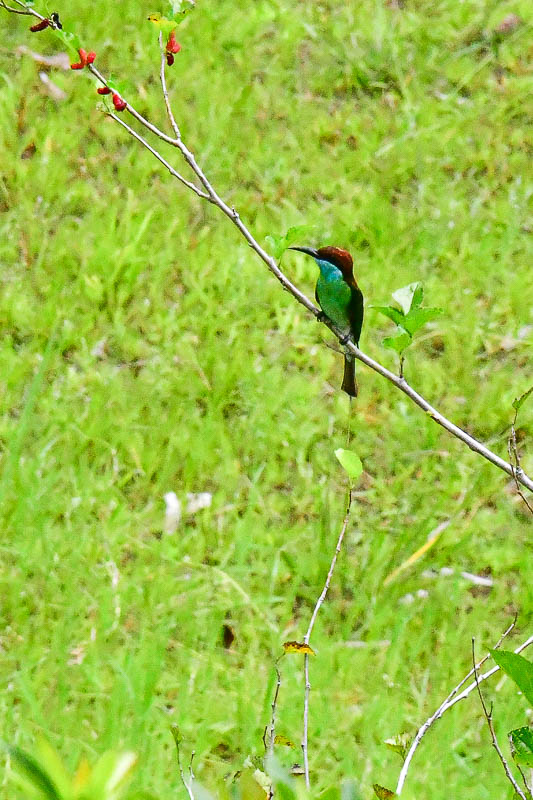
146	350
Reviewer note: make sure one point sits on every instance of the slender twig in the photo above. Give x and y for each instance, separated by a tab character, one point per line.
450	701
526	784
399	382
134	113
159	157
25	13
162	77
514	458
307	637
187	784
270	732
470	688
488	717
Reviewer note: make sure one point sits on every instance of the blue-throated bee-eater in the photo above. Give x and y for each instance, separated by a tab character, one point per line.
341	300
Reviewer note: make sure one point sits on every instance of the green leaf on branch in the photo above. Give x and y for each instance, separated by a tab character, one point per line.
409	318
276	245
417	318
398	343
409	296
521	742
519	401
68	38
181	7
178	11
392	313
400	744
518	668
164	24
279	243
351	463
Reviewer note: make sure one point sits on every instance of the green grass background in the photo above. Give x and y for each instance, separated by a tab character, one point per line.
145	349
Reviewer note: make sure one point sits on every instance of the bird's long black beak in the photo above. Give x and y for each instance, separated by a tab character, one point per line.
307	250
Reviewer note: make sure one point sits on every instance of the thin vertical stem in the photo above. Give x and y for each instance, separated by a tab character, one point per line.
307	637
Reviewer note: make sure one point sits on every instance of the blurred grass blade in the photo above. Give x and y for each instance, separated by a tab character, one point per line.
34	774
110	774
434	536
52	764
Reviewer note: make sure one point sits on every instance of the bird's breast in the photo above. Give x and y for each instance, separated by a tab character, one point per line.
334	294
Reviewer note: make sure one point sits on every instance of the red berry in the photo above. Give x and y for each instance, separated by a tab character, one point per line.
118	102
173	46
103	90
91	56
82	62
170	59
40	26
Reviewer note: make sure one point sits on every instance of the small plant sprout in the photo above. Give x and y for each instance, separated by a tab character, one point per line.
409	318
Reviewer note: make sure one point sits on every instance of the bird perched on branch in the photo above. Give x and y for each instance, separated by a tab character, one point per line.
341	300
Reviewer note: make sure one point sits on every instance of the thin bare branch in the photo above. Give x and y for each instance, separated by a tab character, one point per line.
134	113
470	688
159	157
436	416
514	458
186	784
25	13
488	717
524	779
170	114
307	637
270	732
451	700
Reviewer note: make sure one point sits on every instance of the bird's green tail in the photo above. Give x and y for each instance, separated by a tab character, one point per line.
349	384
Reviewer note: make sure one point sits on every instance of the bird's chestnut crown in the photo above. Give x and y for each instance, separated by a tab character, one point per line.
334	255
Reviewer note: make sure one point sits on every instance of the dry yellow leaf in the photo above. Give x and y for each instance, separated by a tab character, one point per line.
382	793
298	647
281	739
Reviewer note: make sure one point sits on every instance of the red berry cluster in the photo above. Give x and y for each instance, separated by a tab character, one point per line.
172	47
85	58
118	102
88	58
